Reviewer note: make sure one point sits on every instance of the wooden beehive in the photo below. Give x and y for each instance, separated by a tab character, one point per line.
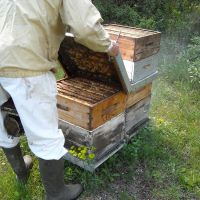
88	103
91	94
135	43
110	137
94	110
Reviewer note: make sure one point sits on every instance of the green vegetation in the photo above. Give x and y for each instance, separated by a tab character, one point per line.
83	153
163	15
163	161
183	66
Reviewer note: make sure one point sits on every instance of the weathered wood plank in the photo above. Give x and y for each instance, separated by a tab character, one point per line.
130	30
107	109
74	104
145	47
136	113
92	165
137	96
75	117
102	138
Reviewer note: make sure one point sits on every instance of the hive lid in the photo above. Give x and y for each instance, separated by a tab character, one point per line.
79	61
135	43
130	32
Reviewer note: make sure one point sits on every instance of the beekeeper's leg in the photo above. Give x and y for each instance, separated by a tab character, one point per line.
35	100
11	147
5	140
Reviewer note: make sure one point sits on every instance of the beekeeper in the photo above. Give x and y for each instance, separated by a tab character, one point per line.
30	36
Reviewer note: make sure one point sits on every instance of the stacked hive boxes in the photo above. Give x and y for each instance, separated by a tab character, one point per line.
104	100
139	48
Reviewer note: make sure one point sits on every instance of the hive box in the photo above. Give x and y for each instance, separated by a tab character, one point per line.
138	49
108	138
135	43
135	97
136	116
103	139
88	103
140	73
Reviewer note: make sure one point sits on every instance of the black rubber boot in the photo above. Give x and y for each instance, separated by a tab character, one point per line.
52	173
20	165
12	126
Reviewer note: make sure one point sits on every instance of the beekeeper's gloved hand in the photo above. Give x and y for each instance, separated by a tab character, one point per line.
113	49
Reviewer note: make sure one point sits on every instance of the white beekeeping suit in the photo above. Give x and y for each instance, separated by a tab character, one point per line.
30	35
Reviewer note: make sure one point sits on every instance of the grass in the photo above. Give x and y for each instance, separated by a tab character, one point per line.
161	163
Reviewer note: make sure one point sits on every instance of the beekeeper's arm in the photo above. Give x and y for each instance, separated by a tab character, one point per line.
84	22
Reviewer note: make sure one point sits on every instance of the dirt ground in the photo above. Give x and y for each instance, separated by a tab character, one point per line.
127	188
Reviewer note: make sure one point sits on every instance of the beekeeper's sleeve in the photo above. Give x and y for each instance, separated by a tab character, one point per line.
84	22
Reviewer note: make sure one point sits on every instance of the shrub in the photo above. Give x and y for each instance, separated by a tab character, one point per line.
112	13
147	23
193	55
194	72
183	66
154	14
